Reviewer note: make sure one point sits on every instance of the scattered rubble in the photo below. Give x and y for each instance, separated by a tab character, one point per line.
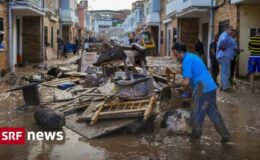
100	92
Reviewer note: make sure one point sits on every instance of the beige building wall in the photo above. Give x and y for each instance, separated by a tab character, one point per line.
249	18
4	54
51	50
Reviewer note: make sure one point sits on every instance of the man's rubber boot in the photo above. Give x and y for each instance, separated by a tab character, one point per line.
222	130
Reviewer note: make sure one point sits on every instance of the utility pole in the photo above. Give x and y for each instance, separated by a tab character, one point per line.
211	30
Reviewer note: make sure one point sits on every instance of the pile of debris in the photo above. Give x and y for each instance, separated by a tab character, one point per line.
100	92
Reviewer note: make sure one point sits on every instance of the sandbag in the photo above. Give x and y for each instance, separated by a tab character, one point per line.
49	119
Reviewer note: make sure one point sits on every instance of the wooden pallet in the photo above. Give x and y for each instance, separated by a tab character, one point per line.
117	109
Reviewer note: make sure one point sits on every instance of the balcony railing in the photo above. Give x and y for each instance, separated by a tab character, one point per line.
153	18
68	16
195	3
245	1
35	3
177	6
172	6
51	5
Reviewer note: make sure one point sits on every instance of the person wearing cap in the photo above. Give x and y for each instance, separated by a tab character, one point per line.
196	76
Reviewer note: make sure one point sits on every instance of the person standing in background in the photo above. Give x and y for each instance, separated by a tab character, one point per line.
213	59
60	51
225	54
199	48
254	59
236	52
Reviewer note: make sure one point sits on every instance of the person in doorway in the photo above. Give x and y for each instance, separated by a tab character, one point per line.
77	44
254	59
1	42
213	59
60	51
237	50
225	54
196	75
199	48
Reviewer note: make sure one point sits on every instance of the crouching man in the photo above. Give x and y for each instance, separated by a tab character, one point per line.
196	75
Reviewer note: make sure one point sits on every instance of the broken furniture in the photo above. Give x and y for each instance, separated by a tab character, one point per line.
139	87
30	94
125	110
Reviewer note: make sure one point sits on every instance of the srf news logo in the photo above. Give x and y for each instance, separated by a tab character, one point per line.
20	136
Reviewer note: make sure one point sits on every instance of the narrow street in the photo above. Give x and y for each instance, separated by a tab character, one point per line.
240	111
129	80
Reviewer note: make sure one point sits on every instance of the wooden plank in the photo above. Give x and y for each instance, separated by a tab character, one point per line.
149	109
115	116
55	83
72	101
120	112
75	74
96	115
100	129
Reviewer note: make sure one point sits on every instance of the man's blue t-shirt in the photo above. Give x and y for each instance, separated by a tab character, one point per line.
194	69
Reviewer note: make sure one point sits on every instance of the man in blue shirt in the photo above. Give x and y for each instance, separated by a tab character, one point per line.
196	75
225	54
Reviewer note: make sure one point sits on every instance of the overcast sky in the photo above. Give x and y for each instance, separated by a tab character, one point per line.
110	4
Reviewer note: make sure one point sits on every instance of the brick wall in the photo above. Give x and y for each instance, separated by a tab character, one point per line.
189	29
226	12
4	54
31	39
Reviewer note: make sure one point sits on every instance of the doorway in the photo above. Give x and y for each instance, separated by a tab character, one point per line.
168	44
205	37
18	57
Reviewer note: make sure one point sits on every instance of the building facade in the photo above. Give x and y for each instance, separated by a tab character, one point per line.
3	35
69	20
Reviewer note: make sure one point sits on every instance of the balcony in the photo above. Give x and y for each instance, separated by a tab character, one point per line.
153	18
28	7
179	6
51	7
172	7
68	17
35	3
245	1
195	3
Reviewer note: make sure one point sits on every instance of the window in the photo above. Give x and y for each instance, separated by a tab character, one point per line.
52	37
161	37
46	36
1	34
174	35
253	31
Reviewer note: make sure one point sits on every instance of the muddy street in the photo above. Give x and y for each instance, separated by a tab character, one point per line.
240	111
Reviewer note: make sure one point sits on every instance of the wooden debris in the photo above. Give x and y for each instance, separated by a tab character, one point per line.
107	88
75	74
115	109
100	129
56	82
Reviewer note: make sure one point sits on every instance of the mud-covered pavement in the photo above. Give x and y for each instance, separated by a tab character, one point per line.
240	111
